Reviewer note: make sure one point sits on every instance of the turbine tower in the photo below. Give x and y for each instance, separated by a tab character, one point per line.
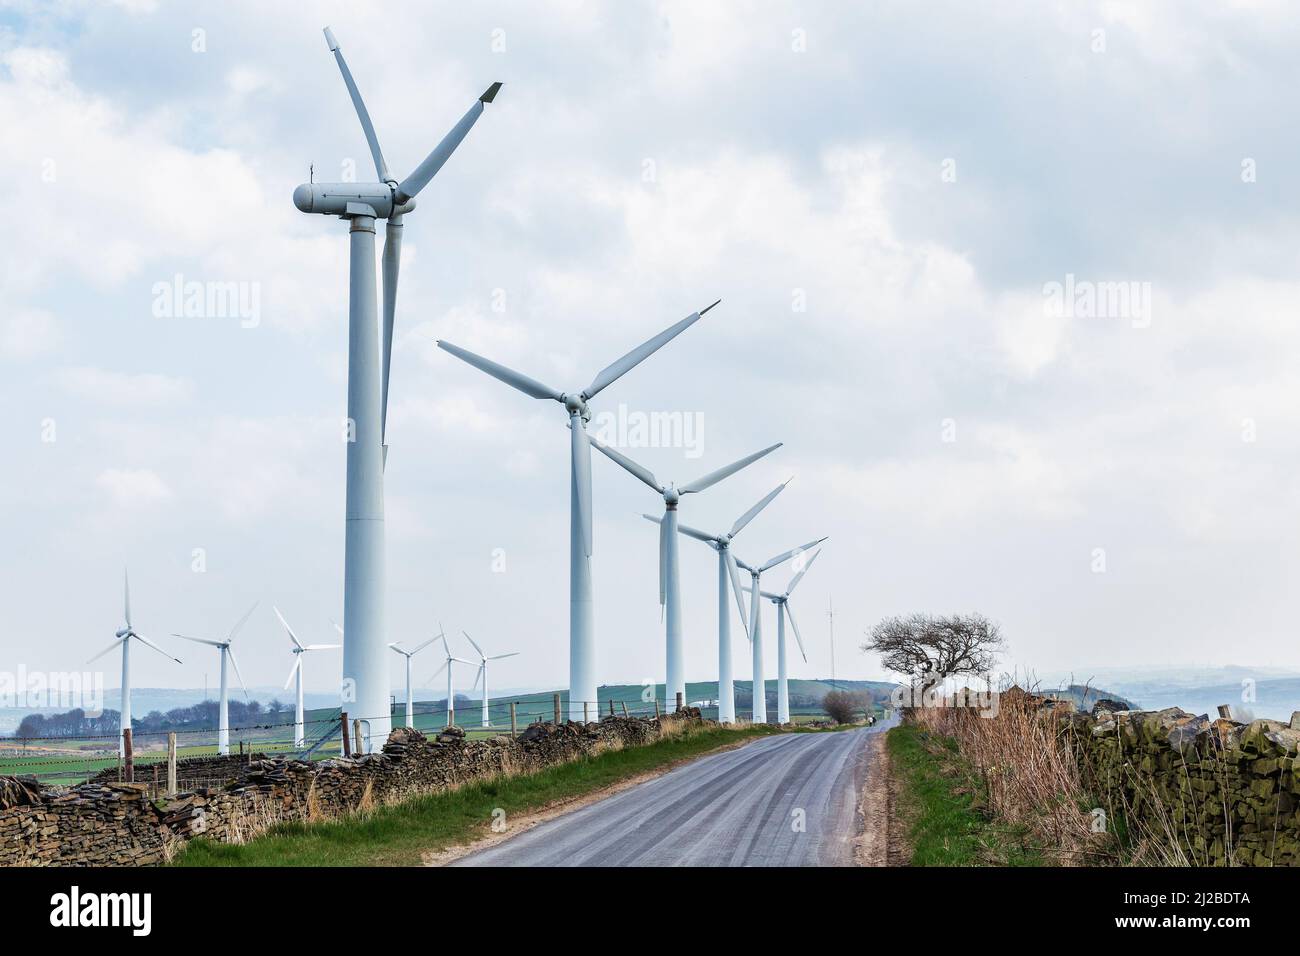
299	649
727	572
670	595
122	638
446	665
410	701
482	674
759	712
582	640
370	350
782	602
227	653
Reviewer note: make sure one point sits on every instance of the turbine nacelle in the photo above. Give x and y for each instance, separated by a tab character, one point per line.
351	199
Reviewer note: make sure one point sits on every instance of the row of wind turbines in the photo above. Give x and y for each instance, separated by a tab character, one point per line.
370	341
124	635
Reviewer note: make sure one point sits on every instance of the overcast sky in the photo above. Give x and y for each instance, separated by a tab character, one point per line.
889	198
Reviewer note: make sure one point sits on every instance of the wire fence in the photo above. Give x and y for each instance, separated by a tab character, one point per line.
73	759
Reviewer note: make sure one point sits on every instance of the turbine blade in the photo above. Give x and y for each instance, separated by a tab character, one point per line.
581	477
126	597
663	563
477	677
471	640
637	471
198	640
498	657
713	477
321	647
241	622
787	555
445	665
398	649
381	168
734	574
419	647
235	664
529	386
297	665
802	571
337	626
117	642
752	513
632	359
392	262
790	614
148	643
292	636
697	534
410	186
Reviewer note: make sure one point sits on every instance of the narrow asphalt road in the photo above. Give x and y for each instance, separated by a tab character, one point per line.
790	800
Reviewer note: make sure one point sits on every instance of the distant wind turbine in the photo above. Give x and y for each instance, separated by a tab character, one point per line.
482	674
782	602
410	701
727	573
446	665
582	639
122	638
227	652
299	648
756	623
670	595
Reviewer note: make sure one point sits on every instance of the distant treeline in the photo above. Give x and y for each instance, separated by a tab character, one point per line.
201	716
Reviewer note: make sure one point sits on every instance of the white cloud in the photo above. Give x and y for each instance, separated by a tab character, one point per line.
28	333
102	386
134	488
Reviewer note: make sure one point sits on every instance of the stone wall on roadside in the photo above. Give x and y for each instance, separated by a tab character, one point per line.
1226	791
106	823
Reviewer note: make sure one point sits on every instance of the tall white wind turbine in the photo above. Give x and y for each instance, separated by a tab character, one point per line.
446	665
756	623
582	640
727	573
299	649
227	653
783	610
122	638
370	348
410	700
670	595
482	674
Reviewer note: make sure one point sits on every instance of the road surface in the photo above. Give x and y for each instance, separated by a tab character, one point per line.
788	800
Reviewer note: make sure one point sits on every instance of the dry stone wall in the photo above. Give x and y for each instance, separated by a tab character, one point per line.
104	823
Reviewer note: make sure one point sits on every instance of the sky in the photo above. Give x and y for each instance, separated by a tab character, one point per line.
1015	284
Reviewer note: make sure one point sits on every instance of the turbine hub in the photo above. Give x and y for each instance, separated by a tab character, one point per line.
577	405
122	632
671	497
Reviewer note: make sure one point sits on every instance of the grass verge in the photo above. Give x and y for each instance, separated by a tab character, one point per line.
401	834
941	802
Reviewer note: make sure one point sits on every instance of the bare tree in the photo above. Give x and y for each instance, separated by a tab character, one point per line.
929	649
844	707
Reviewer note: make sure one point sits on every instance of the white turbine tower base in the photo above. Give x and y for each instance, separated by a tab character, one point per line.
486	719
223	703
410	700
756	621
728	575
122	638
582	640
670	595
365	667
783	611
299	649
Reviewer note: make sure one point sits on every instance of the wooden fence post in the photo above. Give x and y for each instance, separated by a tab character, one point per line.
680	701
128	761
347	745
624	703
357	743
514	726
586	718
656	708
557	710
611	707
171	764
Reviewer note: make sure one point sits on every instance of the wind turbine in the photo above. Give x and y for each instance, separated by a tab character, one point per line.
370	349
782	602
410	701
299	648
446	665
122	638
582	641
670	595
482	674
227	652
727	571
756	624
